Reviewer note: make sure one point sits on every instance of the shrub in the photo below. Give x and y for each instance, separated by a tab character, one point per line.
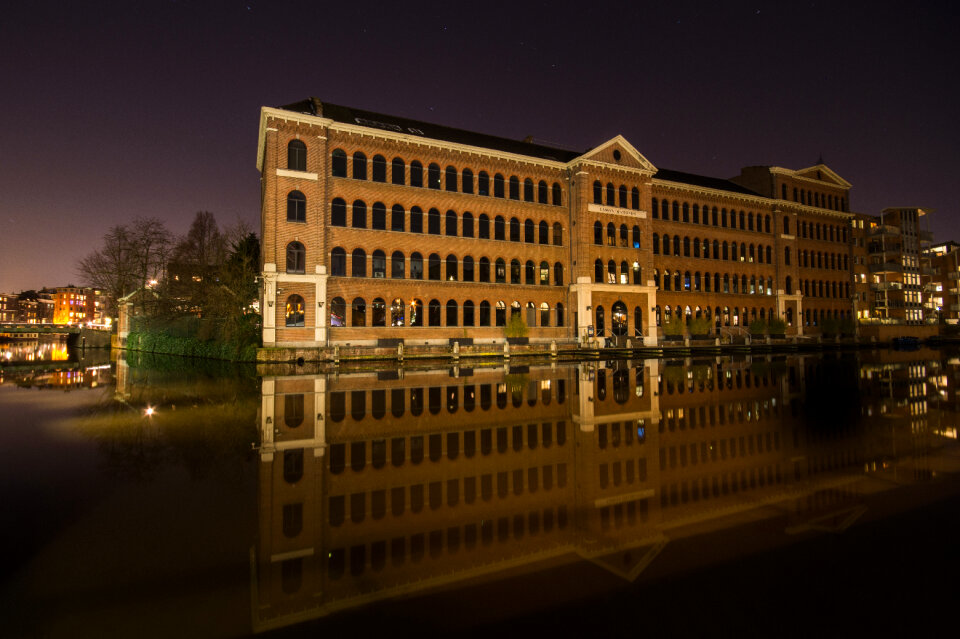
699	326
758	327
777	326
516	327
673	327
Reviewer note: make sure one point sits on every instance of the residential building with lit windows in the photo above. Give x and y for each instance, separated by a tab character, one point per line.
381	228
942	289
76	305
898	265
8	307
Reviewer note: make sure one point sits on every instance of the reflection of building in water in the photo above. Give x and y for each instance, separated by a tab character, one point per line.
374	485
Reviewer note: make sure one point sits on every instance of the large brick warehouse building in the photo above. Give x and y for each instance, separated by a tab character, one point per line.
376	227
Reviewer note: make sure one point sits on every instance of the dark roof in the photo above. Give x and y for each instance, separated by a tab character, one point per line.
702	180
349	115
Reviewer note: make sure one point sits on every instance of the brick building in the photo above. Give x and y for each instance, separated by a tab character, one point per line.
76	305
377	227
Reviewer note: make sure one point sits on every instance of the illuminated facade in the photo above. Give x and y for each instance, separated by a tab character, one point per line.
379	228
76	305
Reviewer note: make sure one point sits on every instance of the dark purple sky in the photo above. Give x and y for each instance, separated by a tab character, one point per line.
126	109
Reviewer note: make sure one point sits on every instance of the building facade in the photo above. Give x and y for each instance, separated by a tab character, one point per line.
77	305
379	228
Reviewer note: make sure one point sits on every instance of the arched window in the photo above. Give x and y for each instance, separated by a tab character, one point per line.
452	313
636	273
297	155
468	313
597	192
618	319
528	190
379	216
499	228
611	272
559	314
338	312
467	269
514	229
416	220
379	168
786	224
416	174
296	207
786	255
624	235
416	312
378	312
416	266
611	195
686	246
338	212
359	166
358	312
359	263
433	267
544	274
397	308
484	313
598	233
514	271
654	208
483	227
501	318
379	262
514	187
789	286
433	313
598	271
359	220
636	236
338	163
500	270
433	222
452	268
622	194
451	224
557	195
611	234
544	233
338	262
397	171
635	199
599	321
558	274
483	183
296	258
433	176
295	311
676	211
396	218
666	244
528	231
451	178
656	244
542	192
467	180
529	273
397	265
557	234
484	274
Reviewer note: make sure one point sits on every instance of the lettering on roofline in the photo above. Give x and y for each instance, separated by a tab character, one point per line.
388	127
615	210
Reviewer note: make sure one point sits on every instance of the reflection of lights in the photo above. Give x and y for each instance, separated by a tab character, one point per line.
149	411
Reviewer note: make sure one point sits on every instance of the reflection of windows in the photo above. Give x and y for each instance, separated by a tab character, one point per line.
292	465
295	311
293	410
292	519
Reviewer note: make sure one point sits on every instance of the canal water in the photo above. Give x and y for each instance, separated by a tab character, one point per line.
767	495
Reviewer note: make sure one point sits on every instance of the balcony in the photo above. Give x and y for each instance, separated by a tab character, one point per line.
925	236
887	267
927	270
886	286
883	230
953	275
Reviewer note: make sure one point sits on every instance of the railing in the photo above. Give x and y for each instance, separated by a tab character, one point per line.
892	267
886	286
883	229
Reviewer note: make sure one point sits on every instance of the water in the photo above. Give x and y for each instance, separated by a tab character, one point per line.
766	495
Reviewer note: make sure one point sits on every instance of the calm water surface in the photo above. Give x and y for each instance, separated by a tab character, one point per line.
762	496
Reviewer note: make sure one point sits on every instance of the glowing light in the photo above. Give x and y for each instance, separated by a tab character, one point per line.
149	411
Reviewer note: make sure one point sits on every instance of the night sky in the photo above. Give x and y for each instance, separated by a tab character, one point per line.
119	110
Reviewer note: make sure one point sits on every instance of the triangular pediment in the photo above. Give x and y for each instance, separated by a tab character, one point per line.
609	151
823	173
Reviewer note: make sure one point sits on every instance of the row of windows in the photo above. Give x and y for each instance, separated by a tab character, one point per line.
674	245
401	314
724	283
433	544
466	270
725	316
814	317
819	288
626	238
452	226
723	484
718	450
824	232
435	399
833	261
433	496
403	449
683	212
616	197
812	198
628	273
448	179
623	473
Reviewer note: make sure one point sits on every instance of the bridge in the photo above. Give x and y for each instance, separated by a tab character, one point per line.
79	336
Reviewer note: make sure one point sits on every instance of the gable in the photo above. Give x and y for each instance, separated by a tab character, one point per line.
620	153
823	173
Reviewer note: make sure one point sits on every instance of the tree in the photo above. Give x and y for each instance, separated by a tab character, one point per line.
128	260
